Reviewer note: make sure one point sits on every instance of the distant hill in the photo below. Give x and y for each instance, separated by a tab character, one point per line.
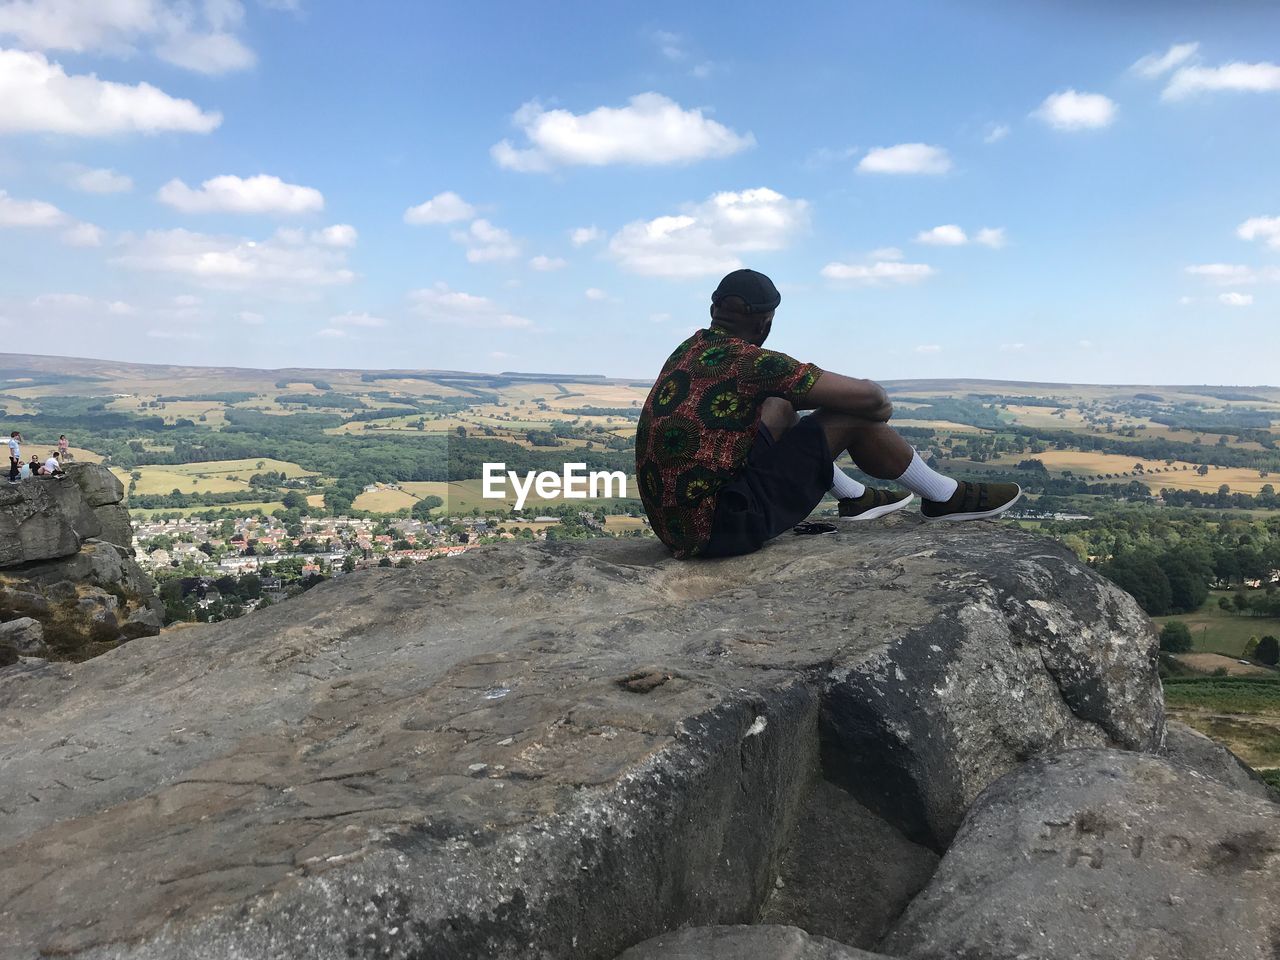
14	366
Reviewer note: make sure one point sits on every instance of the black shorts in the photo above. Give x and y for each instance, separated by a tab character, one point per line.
780	485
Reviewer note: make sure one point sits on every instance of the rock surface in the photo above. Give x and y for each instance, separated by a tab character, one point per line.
846	873
38	521
1098	855
552	751
1193	749
24	635
760	942
99	486
63	542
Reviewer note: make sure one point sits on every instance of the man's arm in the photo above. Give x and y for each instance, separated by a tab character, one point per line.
865	398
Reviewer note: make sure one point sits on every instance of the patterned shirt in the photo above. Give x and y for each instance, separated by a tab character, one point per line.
698	425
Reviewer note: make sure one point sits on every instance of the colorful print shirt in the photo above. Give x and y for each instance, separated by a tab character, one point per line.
698	425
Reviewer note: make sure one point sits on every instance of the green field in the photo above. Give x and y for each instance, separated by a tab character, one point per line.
1241	695
1214	630
1242	712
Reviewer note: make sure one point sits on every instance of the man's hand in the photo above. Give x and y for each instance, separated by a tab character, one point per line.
865	398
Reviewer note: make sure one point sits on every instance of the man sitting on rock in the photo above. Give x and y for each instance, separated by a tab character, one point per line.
725	463
52	468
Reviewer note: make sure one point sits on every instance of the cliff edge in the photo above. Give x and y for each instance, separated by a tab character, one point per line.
69	587
559	750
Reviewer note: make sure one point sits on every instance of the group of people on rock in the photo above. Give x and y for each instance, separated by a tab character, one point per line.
51	467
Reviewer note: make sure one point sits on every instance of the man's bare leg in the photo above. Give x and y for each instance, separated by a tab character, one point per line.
779	416
880	452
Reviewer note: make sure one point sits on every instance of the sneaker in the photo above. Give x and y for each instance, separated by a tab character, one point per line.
873	503
973	501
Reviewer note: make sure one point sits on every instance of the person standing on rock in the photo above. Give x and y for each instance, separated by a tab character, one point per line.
725	462
15	456
63	444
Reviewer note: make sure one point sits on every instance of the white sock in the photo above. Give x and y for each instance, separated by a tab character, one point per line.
843	485
920	478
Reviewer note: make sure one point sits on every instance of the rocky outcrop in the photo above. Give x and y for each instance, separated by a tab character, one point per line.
1094	855
553	751
1191	748
757	942
846	873
66	562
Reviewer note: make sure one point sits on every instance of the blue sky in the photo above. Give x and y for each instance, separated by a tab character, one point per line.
1022	191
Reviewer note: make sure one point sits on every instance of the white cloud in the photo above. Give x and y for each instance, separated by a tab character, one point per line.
332	333
1225	274
29	213
995	132
37	213
595	293
1012	347
906	158
251	318
707	237
287	257
89	180
486	243
62	301
951	235
671	45
338	235
992	237
1261	228
947	235
210	53
581	236
1071	110
232	194
439	304
446	207
1233	299
878	272
929	348
194	36
650	130
83	235
1185	301
1153	65
1085	344
37	96
545	263
886	253
1246	77
73	306
79	27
